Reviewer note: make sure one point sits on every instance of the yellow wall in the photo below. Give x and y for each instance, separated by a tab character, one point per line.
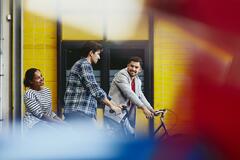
40	49
175	45
82	27
171	60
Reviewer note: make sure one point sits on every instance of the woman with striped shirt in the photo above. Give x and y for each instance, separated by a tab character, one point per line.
38	102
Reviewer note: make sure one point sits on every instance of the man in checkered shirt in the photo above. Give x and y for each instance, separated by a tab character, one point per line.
83	92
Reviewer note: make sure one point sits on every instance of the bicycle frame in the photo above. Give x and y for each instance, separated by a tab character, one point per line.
162	125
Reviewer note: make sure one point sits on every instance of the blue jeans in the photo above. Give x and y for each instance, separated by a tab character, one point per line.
119	130
126	128
132	116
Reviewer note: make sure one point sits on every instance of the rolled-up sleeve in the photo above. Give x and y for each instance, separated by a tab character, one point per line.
90	82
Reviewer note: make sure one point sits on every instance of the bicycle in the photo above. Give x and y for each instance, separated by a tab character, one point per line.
161	113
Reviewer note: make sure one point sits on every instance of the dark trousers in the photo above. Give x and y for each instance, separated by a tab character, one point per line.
80	119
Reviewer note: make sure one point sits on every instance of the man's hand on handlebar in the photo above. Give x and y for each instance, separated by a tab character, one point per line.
121	106
117	109
150	112
147	112
155	112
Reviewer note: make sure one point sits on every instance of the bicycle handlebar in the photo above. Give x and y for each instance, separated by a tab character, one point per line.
157	113
160	112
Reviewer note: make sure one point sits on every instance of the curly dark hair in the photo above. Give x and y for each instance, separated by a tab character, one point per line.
29	76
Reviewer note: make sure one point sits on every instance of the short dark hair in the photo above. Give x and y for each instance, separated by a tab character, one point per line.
136	59
29	76
90	46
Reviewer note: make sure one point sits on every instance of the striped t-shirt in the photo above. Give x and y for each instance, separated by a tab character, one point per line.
37	103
